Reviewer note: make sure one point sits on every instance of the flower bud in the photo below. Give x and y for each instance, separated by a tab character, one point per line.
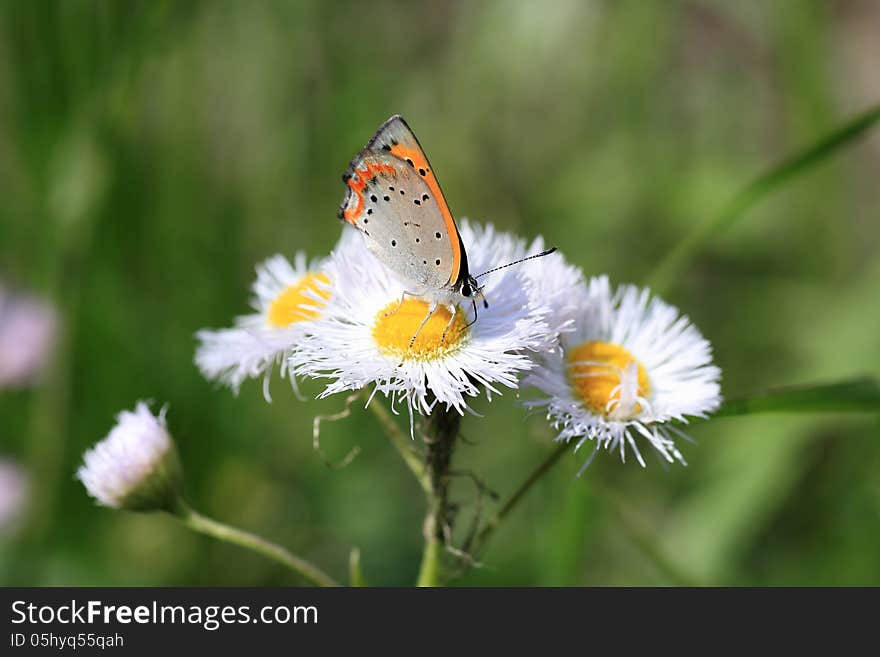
136	467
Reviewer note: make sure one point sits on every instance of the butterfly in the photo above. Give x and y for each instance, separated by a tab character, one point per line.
394	199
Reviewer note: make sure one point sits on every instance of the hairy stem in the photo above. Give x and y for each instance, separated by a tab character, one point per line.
441	431
203	525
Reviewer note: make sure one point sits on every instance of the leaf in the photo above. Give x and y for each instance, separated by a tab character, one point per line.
857	395
678	260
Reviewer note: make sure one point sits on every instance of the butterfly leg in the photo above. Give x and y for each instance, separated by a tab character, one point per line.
474	320
400	303
454	309
431	311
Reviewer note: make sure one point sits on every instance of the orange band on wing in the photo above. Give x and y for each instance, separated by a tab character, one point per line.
357	186
417	160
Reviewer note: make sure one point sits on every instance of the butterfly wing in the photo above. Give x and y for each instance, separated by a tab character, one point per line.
396	138
399	216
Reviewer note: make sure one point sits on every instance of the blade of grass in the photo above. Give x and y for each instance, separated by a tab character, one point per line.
860	395
679	259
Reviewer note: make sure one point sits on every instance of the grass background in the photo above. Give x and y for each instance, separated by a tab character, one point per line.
152	152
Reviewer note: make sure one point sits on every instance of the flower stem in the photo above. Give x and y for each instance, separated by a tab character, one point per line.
430	570
520	491
403	445
440	436
203	525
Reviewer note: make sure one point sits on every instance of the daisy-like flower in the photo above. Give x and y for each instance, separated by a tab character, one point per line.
287	298
136	467
630	365
552	281
365	334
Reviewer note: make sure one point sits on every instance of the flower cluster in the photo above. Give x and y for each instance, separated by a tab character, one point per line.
614	367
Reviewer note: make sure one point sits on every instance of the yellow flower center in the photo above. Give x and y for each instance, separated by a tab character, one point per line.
609	379
289	306
395	327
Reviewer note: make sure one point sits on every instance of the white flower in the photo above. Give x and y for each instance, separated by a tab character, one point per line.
14	486
365	334
28	327
136	466
553	282
286	299
630	365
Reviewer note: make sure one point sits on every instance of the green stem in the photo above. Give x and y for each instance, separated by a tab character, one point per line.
402	444
441	432
430	570
203	525
432	473
520	491
678	260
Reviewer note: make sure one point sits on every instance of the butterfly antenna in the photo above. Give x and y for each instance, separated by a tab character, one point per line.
516	262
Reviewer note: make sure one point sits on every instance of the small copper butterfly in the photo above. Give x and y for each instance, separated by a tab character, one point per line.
394	199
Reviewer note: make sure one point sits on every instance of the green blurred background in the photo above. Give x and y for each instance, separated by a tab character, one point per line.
152	152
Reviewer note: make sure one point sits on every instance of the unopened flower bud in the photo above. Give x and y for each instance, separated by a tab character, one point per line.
136	467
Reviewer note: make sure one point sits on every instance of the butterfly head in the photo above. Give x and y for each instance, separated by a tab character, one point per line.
469	287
